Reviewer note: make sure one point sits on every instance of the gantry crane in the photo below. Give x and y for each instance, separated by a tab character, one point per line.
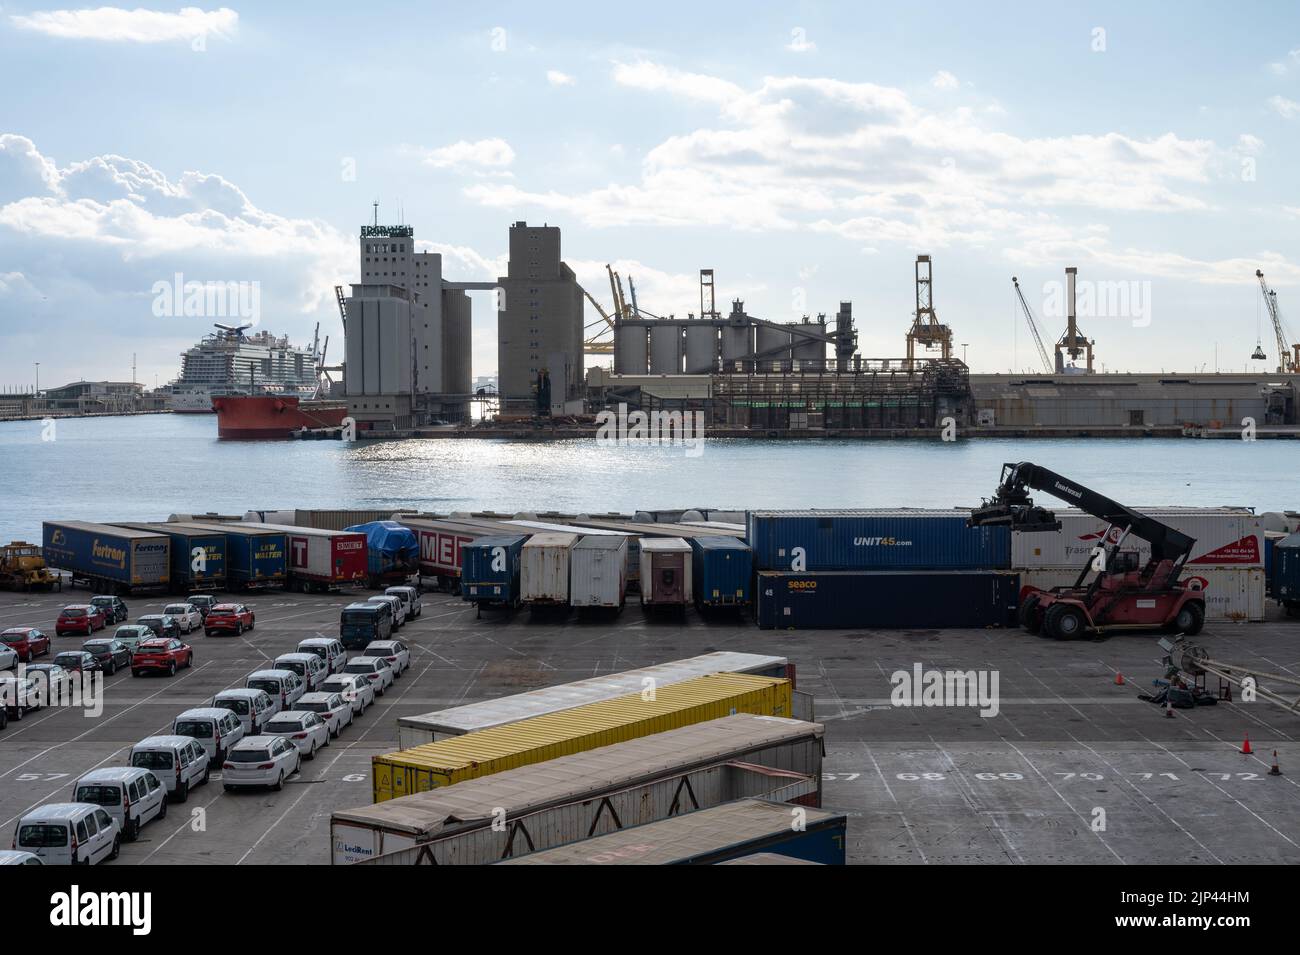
1033	327
1288	352
926	329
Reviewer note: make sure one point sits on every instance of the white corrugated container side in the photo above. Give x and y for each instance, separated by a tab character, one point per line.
598	572
1224	538
544	569
1231	593
656	551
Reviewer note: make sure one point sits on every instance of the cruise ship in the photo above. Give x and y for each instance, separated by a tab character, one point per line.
231	363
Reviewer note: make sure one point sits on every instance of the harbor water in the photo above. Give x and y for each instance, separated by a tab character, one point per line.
148	466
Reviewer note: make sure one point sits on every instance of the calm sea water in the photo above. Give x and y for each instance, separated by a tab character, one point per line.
146	467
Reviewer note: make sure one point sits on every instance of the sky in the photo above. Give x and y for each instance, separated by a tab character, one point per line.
806	152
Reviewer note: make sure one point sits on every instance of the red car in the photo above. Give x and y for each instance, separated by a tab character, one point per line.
79	618
161	653
27	642
233	618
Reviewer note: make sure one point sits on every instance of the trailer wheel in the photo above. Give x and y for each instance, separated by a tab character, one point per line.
1030	618
1190	619
1064	622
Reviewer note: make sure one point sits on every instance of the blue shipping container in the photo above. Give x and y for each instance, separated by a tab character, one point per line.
722	568
188	571
857	600
254	557
1286	573
101	553
875	540
490	570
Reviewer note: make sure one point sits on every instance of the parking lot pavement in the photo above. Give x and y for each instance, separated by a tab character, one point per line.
1072	768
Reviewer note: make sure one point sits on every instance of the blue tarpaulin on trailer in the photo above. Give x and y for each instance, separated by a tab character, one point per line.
391	547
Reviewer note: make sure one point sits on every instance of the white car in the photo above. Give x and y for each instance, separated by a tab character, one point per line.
51	681
260	761
304	729
353	687
374	669
282	685
18	695
131	796
68	833
410	597
399	608
309	667
253	707
215	728
394	652
8	658
14	857
331	707
187	616
329	649
178	761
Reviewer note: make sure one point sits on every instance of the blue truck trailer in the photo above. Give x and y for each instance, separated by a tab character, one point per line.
256	558
723	568
106	558
392	552
490	570
1285	574
198	558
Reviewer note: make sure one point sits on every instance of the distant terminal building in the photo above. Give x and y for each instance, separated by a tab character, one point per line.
407	360
539	326
99	397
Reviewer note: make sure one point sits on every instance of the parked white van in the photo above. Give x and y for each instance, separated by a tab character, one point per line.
130	795
410	598
253	707
178	761
309	667
214	727
68	833
329	649
283	686
399	608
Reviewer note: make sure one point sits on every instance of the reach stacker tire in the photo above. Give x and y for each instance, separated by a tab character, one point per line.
1190	619
1064	622
1030	618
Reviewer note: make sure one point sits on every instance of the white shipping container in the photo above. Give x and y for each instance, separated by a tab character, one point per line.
321	556
1231	593
665	571
1225	537
598	572
544	569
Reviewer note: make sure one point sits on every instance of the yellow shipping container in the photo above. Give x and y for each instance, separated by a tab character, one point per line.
576	730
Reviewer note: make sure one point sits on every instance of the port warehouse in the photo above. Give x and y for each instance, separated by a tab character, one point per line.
589	793
782	553
577	729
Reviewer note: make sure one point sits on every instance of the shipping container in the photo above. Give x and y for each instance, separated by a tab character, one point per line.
1271	539
572	797
1231	593
544	569
646	529
806	541
633	541
490	570
1286	574
392	552
471	717
666	575
886	599
320	560
726	527
652	710
198	558
1225	537
730	831
255	558
722	569
443	541
108	558
598	571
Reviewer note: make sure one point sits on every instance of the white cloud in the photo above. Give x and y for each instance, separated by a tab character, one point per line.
556	78
1277	69
130	26
943	80
493	154
799	42
1286	108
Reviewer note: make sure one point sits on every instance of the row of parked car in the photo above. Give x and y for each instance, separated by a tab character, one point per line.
258	734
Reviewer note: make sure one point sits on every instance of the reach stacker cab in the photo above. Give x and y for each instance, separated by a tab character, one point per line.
1123	595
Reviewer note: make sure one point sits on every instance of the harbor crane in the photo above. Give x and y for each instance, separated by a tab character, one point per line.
1033	327
1288	352
926	330
1123	596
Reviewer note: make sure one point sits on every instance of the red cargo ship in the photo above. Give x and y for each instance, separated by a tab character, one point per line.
268	417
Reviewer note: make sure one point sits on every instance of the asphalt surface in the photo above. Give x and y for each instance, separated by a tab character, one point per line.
1073	768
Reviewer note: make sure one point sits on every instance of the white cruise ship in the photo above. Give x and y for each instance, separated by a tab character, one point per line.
230	362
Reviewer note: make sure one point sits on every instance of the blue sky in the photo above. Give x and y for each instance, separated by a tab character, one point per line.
806	152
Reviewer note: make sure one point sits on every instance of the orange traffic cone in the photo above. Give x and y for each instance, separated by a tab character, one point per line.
1275	769
1245	747
1119	679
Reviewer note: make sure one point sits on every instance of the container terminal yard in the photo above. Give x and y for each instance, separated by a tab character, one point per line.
682	680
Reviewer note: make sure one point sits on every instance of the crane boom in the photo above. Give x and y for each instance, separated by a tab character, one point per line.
1033	327
1285	348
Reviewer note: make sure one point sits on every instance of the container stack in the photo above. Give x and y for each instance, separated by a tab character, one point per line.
880	569
1227	561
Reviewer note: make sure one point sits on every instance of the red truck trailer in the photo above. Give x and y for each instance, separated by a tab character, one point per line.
321	560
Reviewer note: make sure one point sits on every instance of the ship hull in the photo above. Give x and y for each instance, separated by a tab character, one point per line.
271	418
